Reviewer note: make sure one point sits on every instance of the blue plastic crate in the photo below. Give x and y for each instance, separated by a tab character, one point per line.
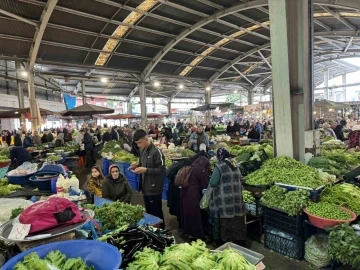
134	184
166	182
131	175
105	166
98	201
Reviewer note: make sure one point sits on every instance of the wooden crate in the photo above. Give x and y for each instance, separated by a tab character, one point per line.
63	237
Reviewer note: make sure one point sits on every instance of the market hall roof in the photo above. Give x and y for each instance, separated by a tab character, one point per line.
222	42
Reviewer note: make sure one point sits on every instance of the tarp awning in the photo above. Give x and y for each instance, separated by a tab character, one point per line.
15	113
87	109
213	106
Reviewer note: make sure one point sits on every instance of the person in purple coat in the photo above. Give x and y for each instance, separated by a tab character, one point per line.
193	218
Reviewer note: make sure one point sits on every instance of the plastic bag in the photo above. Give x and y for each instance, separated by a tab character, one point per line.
316	251
7	205
205	200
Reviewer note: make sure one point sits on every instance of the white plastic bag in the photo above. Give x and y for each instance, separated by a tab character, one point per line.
7	205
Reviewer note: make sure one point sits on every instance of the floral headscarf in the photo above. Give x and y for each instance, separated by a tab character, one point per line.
222	154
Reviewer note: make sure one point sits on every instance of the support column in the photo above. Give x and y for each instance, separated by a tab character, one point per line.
83	92
169	107
19	85
154	104
129	107
207	102
143	105
343	96
326	84
292	74
250	97
32	102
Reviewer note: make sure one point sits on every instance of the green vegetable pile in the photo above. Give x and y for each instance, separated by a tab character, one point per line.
344	245
185	256
317	251
123	156
251	152
291	202
117	214
67	148
327	165
4	159
187	153
6	188
247	196
168	162
328	210
4	151
53	158
285	170
15	212
342	158
111	146
220	128
55	259
346	195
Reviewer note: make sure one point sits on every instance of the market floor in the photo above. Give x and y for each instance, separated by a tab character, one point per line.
272	260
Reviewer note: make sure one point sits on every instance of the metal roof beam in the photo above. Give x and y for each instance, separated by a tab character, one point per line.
345	64
265	60
323	25
260	81
238	7
17	17
78	85
330	42
242	29
242	75
45	16
338	17
133	92
335	33
348	44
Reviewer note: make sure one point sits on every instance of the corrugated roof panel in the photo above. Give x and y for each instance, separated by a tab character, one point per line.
148	37
25	10
202	36
224	54
187	46
212	63
165	68
135	49
14	48
218	28
238	46
64	55
196	5
127	63
61	36
16	28
254	14
176	57
162	26
200	73
67	19
176	14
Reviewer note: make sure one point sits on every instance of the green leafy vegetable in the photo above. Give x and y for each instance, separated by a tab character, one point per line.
15	212
247	196
328	210
6	188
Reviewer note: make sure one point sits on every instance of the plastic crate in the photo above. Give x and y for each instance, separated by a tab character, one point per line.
105	166
134	184
98	201
292	247
165	194
131	175
254	209
249	167
314	193
281	221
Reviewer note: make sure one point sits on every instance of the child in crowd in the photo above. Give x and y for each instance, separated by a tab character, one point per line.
96	181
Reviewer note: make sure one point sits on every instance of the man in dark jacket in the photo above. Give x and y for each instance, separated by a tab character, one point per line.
152	170
107	135
18	156
27	141
115	134
89	149
50	136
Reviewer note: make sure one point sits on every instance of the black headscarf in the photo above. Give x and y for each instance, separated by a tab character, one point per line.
223	155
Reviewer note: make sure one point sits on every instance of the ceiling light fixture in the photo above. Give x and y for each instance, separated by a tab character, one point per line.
235	91
181	86
16	112
24	73
104	80
156	84
208	88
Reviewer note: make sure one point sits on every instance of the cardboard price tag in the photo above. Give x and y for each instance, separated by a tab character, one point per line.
19	231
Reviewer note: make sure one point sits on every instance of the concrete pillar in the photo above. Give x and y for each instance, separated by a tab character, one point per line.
143	105
250	97
240	98
129	107
32	101
154	104
207	102
326	84
169	108
83	92
292	74
19	85
343	96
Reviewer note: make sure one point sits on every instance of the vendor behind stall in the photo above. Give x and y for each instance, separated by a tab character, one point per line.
18	156
59	140
95	182
116	187
27	141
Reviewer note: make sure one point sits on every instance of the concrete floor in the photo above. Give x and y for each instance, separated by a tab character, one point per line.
272	260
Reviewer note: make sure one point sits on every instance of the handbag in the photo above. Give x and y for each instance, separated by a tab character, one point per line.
205	200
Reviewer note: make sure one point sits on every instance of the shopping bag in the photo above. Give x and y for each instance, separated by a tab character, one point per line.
205	200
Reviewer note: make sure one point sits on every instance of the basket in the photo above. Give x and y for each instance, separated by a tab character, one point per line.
92	253
63	237
251	256
20	180
314	193
292	225
292	247
322	223
254	209
42	184
4	164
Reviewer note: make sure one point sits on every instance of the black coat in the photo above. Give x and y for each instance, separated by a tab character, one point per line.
88	142
17	140
106	137
19	155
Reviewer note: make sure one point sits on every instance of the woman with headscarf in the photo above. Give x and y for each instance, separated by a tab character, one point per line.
116	186
59	140
193	218
95	182
226	205
328	131
17	139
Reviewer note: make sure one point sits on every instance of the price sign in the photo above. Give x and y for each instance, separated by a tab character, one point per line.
260	266
19	231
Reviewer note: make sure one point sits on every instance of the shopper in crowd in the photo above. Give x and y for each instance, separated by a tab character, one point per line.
95	183
17	139
338	130
197	138
226	203
209	128
44	137
328	131
36	138
115	134
59	140
258	127
49	136
66	134
152	170
6	138
354	137
107	135
18	155
193	219
243	128
89	149
80	136
268	135
269	125
236	127
229	129
165	135
343	122
27	141
116	187
253	135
